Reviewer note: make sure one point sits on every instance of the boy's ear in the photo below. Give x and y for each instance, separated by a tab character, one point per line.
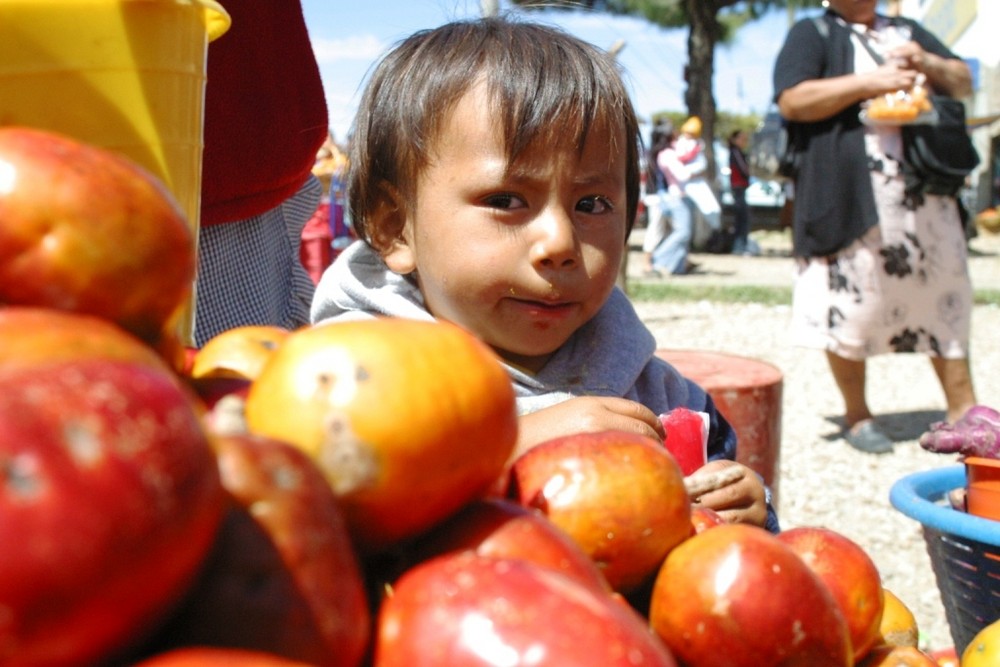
390	235
399	256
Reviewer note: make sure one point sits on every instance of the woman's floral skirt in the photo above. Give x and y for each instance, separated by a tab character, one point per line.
903	287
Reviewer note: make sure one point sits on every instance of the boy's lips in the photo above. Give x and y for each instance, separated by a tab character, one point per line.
543	307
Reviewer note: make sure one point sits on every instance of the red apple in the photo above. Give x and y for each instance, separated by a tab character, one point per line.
737	596
620	496
86	230
849	573
111	503
503	529
703	518
466	609
283	577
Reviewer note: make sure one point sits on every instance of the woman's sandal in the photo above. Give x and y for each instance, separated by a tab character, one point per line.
869	438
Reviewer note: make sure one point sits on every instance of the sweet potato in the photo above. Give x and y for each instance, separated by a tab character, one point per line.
976	433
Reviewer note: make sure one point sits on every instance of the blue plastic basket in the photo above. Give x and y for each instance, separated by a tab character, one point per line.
964	550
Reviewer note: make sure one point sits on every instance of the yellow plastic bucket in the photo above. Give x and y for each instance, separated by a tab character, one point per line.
127	75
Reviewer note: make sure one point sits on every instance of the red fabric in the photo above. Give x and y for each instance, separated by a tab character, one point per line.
265	111
739	170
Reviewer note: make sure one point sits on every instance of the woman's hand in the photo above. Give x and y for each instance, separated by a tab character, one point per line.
588	414
949	76
910	55
888	78
740	501
819	99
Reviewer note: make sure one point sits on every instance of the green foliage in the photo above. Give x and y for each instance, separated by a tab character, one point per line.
672	291
766	295
986	297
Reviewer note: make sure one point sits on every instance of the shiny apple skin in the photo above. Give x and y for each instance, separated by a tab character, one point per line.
503	529
619	495
735	596
87	230
850	574
703	518
466	610
110	502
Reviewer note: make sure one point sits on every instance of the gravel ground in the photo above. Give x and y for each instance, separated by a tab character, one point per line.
823	481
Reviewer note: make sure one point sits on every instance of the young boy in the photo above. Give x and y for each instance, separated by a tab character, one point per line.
494	178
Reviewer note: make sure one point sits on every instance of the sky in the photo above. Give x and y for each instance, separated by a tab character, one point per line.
348	38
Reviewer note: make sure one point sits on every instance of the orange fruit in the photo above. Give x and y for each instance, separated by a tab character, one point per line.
32	336
409	420
984	649
85	230
240	352
899	625
896	656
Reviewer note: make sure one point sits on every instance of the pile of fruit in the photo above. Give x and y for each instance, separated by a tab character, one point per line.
346	494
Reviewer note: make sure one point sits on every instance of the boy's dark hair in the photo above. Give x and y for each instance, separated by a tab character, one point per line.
543	85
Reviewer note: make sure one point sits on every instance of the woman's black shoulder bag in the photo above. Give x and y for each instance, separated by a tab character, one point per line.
938	157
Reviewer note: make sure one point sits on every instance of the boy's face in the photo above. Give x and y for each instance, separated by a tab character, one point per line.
520	257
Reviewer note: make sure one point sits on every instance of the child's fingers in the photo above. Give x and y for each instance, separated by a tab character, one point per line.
704	481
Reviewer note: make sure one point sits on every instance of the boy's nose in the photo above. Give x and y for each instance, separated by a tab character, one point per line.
555	245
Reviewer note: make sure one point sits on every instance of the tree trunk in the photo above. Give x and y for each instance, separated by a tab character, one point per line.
702	38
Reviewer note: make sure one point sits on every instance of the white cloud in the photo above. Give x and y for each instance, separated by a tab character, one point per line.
357	47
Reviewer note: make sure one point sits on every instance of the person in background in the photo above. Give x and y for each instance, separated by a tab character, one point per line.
689	146
316	249
656	195
690	149
265	120
326	233
875	274
509	217
682	163
739	181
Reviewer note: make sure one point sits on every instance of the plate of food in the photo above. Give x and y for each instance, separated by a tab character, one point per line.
902	107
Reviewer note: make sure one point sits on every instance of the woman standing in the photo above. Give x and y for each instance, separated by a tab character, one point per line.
875	275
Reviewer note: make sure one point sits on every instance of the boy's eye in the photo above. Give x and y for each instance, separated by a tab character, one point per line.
596	205
504	201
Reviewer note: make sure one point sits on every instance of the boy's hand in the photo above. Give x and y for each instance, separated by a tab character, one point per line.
741	500
587	414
